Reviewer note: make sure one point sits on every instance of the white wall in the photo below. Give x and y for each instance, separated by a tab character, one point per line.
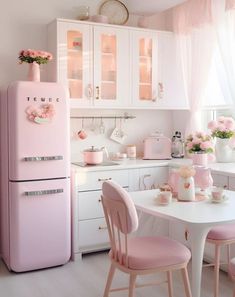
146	122
24	25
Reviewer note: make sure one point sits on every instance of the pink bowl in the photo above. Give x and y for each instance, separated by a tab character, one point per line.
98	18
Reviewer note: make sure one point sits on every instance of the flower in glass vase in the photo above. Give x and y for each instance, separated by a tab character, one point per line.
199	145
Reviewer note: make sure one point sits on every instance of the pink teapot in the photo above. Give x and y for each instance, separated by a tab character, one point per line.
202	178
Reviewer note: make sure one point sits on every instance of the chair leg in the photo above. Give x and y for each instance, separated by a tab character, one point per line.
169	283
216	270
132	284
109	280
187	287
228	254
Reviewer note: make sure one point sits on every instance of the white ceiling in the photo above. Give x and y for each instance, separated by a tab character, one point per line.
149	7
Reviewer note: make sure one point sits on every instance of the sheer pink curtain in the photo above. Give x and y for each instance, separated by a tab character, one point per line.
230	4
224	21
192	23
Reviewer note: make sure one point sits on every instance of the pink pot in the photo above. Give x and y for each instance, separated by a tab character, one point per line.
93	156
199	159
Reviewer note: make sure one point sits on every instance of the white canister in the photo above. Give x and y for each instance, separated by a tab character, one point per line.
186	189
131	151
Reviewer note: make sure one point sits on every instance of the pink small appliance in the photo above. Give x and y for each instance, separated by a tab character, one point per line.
35	171
157	147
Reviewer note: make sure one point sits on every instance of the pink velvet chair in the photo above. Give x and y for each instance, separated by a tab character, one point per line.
220	236
138	255
232	272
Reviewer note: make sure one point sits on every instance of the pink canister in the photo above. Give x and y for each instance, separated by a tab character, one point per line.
131	151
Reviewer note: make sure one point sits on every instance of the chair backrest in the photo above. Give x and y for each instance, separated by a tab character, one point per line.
121	218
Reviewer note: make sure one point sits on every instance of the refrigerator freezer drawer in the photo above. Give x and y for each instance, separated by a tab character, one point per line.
38	131
39	224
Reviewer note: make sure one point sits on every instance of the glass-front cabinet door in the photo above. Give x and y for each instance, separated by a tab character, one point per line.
144	68
111	67
75	62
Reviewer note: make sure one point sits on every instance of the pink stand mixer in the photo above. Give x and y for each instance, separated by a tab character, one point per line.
202	179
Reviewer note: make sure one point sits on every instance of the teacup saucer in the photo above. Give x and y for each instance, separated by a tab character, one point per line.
224	198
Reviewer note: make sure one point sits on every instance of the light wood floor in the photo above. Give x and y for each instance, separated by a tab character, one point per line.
86	278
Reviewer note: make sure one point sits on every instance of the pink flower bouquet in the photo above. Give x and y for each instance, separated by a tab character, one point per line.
224	127
34	56
199	142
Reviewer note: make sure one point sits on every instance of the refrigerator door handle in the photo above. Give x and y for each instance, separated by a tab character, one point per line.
43	192
43	158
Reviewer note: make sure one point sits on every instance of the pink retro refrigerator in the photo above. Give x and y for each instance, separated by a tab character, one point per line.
35	183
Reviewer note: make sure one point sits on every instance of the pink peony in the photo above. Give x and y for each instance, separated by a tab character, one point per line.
212	125
206	145
189	145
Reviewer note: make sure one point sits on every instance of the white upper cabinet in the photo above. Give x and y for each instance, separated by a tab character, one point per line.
144	61
111	67
170	79
92	61
107	66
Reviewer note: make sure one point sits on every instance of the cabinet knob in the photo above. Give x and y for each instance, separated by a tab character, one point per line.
103	227
97	97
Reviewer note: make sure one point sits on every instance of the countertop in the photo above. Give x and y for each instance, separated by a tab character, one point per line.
132	164
227	169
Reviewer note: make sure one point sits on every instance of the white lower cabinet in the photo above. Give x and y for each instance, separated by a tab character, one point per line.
89	227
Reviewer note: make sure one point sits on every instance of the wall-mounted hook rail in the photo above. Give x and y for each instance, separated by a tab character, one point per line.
125	117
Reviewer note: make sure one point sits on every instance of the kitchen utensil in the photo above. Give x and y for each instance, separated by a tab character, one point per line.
157	147
118	135
82	133
102	126
92	128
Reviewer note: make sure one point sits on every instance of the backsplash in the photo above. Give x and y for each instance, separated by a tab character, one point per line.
146	122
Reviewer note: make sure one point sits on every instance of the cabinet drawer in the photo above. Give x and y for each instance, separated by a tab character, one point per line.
232	183
88	181
220	180
89	205
92	233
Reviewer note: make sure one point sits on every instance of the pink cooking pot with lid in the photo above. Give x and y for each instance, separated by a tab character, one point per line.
93	156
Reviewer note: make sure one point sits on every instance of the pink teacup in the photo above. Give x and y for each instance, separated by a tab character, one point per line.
165	197
82	134
217	194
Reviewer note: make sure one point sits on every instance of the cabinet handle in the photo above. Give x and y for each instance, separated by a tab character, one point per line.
43	192
186	234
104	179
89	91
160	90
103	227
97	93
